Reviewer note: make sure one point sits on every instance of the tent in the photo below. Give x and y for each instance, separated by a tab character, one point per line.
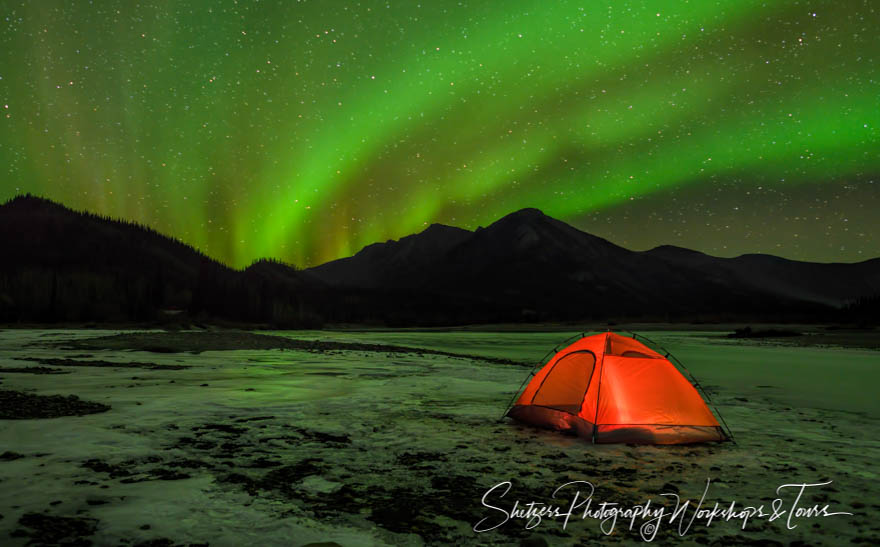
614	389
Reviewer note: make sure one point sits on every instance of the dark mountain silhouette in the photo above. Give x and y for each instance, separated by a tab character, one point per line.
65	266
392	264
62	265
550	269
833	284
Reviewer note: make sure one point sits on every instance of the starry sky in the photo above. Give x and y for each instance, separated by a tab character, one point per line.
304	130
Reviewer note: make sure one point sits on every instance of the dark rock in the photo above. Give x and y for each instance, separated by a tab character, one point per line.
225	428
55	530
747	332
100	466
157	542
59	362
327	438
16	405
168	475
33	370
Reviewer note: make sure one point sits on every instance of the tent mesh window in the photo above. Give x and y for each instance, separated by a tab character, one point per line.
566	384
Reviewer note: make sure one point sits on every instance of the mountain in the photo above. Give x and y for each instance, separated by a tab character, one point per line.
63	265
392	264
832	284
546	268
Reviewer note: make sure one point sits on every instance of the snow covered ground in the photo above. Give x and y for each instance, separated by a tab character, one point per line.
288	447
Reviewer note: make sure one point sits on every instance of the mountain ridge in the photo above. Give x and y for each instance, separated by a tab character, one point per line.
64	265
522	239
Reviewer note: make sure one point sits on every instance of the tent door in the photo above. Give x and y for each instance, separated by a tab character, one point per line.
565	386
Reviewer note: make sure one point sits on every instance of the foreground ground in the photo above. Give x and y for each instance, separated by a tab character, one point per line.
393	438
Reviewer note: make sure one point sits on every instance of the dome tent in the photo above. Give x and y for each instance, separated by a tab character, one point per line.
614	389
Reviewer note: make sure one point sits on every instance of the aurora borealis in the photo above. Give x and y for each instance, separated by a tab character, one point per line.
306	130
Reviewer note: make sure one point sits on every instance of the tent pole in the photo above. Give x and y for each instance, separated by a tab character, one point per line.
553	351
599	390
519	390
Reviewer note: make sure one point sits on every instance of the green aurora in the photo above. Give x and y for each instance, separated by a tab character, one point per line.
306	130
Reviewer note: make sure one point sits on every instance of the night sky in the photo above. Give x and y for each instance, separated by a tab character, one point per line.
306	130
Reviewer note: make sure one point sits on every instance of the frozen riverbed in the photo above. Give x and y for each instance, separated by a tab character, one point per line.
288	446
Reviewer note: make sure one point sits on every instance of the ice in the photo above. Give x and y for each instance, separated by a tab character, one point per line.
286	447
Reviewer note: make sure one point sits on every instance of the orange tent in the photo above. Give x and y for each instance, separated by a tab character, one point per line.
614	389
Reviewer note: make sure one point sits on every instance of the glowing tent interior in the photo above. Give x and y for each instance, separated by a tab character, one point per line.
614	389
